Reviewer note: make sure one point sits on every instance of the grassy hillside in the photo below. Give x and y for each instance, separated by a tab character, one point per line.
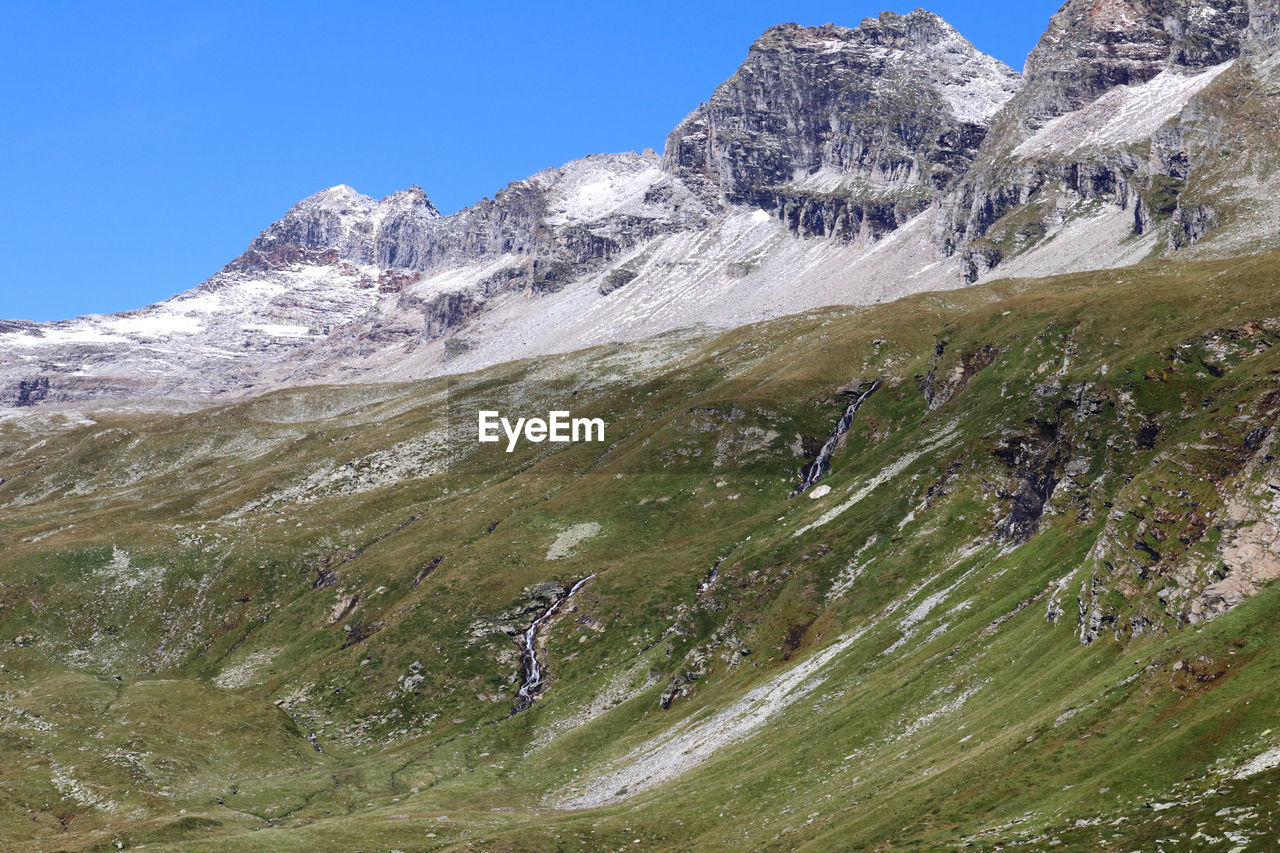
1032	608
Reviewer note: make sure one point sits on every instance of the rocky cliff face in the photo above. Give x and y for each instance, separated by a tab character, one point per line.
1262	38
557	221
583	212
1093	46
1110	114
844	132
338	223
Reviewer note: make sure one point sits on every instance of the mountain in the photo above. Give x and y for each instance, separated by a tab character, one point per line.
843	133
991	565
1127	140
837	166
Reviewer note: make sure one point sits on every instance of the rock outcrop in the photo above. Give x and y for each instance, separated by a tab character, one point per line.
840	132
1093	46
1108	115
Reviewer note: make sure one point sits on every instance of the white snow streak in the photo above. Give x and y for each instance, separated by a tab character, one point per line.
1124	114
941	439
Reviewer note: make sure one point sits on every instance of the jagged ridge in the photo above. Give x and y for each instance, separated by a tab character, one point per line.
836	166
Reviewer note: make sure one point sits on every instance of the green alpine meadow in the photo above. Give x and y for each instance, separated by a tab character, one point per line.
293	622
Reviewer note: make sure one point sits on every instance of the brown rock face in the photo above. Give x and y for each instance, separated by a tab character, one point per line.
1252	559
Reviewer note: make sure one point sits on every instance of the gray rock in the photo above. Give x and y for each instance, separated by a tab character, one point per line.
1090	48
843	132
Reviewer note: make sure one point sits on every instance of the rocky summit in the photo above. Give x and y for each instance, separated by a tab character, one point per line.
840	133
930	498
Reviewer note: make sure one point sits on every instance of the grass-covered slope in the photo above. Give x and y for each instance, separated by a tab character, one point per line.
1029	602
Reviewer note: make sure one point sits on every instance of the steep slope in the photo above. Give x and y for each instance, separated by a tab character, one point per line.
1093	46
1127	138
1030	598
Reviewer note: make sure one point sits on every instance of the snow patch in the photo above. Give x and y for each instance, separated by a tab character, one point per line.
593	188
1259	763
158	324
570	538
1124	114
980	88
278	330
68	335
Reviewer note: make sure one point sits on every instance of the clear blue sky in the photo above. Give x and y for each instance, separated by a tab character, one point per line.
143	145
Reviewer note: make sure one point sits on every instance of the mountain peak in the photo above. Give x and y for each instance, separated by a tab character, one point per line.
410	198
816	110
919	28
338	195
